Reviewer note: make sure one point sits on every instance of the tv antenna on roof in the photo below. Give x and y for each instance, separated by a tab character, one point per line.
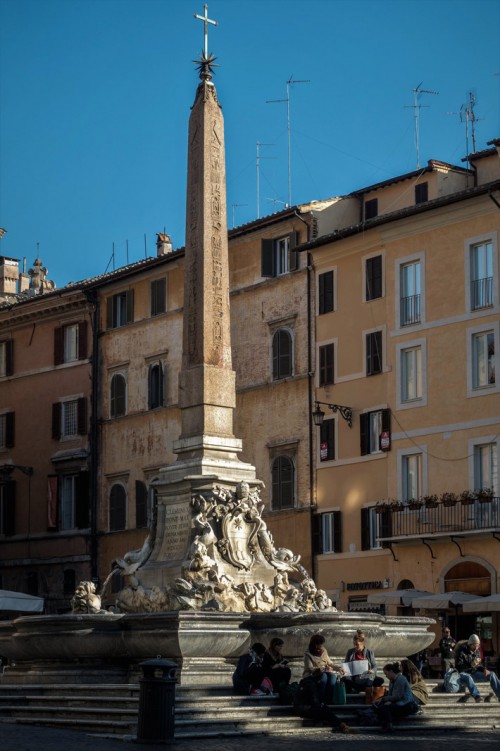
467	116
289	83
416	107
257	164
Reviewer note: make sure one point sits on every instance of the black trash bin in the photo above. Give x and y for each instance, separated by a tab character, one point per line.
156	721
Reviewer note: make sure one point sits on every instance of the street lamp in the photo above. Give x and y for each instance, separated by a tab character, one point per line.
318	415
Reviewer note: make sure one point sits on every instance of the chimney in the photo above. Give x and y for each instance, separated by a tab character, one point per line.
163	244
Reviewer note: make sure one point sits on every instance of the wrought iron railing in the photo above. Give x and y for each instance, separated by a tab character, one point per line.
439	521
481	293
409	308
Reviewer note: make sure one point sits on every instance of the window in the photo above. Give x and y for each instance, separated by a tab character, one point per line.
8	508
6	358
279	256
327	441
327	532
371	208
7	426
70	343
371	427
325	292
156	388
421	193
120	309
411	374
481	275
483	359
326	361
371	529
158	296
409	304
282	354
283	482
73	501
373	278
69	418
31	583
141	504
118	395
117	508
486	467
411	476
373	353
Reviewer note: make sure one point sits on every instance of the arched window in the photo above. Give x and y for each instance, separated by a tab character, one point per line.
282	354
156	386
117	508
118	395
282	483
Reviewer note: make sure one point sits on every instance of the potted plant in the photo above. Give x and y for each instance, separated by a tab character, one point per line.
396	505
485	495
415	503
467	497
381	506
449	499
430	501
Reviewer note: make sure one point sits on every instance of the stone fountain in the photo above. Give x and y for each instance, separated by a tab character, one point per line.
209	579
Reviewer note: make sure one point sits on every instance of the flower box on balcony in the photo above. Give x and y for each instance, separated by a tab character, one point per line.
485	495
467	498
449	499
415	505
430	501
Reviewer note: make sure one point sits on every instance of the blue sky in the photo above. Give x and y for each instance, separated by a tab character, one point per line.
95	97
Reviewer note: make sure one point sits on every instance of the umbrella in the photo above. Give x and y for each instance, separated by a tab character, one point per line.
20	602
482	604
403	597
445	600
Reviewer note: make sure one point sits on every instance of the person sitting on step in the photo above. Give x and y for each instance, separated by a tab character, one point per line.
250	676
360	651
275	665
468	664
399	701
317	662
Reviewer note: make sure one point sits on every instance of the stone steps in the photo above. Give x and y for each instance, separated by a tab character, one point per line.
111	711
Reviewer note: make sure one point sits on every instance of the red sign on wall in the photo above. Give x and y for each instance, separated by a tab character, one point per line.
385	440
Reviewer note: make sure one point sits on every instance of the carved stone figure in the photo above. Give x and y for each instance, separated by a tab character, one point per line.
85	599
229	541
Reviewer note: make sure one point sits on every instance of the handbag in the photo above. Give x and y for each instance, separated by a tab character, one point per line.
339	692
374	693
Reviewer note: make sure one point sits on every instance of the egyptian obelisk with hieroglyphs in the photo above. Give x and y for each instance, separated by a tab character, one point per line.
207	449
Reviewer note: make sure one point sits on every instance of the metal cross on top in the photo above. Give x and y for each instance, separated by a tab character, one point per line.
206	20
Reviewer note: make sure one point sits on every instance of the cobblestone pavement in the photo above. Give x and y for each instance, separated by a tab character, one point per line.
28	738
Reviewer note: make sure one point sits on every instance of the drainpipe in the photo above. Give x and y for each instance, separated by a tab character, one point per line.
94	436
310	382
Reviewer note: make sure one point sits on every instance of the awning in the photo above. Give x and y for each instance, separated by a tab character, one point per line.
444	601
488	604
19	602
365	607
403	597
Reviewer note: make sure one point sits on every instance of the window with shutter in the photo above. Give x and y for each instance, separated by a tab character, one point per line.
371	208
279	255
82	501
327	441
8	508
371	427
117	508
373	353
120	309
325	292
118	395
6	358
282	354
283	490
326	364
421	193
158	296
7	430
156	386
331	532
373	278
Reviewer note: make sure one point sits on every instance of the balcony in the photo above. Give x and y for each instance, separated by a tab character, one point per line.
481	293
402	523
409	308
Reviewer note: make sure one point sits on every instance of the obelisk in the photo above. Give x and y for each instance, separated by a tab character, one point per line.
207	450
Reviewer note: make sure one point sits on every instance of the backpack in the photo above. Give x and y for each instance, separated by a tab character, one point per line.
452	681
287	692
